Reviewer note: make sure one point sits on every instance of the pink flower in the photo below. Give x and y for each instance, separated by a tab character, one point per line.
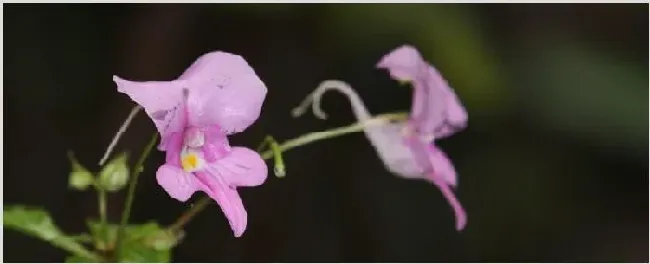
218	95
436	113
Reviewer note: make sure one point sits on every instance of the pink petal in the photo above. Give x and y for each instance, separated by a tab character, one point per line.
228	199
173	148
440	172
402	63
455	115
433	100
224	90
459	212
435	107
162	101
179	184
217	145
442	166
397	157
241	167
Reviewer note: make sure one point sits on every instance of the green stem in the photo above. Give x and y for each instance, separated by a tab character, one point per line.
83	238
278	162
290	144
189	214
101	198
336	132
131	193
76	249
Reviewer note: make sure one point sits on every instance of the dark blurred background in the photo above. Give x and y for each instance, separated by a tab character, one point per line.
553	166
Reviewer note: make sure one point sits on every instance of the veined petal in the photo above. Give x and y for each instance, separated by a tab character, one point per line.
224	90
241	167
179	184
162	101
173	146
227	198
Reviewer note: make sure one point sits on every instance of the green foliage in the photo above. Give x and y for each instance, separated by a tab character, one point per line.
115	174
77	259
38	223
142	243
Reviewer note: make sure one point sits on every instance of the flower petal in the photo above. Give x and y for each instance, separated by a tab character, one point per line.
403	63
442	166
459	212
162	101
224	90
173	147
241	167
228	199
179	184
387	139
433	100
454	114
435	107
440	172
216	144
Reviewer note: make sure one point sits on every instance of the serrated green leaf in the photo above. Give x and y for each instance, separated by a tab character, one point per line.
38	223
80	178
115	174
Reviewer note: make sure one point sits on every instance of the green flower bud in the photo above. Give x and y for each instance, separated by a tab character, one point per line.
80	178
115	174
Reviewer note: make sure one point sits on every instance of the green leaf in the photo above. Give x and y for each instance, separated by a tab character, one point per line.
142	243
80	178
147	243
78	259
103	235
115	174
140	253
38	223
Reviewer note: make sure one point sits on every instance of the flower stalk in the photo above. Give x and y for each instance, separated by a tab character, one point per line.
131	193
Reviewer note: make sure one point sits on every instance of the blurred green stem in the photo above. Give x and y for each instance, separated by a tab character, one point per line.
188	215
101	198
278	161
131	193
83	238
290	144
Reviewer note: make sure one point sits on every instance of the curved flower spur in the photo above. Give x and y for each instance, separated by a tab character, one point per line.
217	96
405	147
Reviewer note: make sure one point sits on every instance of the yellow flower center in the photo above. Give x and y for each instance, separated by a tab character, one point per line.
191	161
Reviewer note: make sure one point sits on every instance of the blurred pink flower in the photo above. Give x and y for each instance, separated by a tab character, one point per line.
436	113
218	95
